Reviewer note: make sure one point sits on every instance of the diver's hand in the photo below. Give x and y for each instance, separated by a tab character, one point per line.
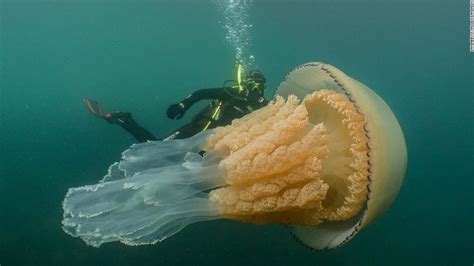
176	110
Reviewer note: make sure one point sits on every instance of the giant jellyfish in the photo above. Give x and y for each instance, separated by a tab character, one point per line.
326	157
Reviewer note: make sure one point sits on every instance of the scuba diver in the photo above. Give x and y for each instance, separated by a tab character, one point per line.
226	104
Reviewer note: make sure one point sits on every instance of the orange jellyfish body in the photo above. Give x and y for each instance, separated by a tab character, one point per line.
288	165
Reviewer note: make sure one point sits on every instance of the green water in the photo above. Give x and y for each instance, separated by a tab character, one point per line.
142	56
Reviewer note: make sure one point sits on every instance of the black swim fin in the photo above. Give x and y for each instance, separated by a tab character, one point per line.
96	109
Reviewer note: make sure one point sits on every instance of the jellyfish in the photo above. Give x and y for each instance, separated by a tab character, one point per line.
326	158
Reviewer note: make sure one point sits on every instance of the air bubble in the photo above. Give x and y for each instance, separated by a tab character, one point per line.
237	27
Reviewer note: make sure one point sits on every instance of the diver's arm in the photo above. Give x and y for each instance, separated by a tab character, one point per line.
203	94
177	110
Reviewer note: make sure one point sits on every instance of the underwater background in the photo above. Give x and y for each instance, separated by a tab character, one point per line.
141	56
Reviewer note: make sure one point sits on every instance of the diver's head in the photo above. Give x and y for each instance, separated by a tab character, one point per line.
255	81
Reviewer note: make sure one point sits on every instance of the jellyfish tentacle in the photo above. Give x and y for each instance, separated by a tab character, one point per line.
154	154
149	206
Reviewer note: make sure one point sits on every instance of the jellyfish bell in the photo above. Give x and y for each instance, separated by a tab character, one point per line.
326	157
387	154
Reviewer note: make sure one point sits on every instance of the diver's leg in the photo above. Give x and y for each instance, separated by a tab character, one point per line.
186	131
125	120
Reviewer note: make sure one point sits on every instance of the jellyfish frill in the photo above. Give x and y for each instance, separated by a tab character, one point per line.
326	157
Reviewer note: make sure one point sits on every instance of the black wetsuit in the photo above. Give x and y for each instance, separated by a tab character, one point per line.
227	104
131	126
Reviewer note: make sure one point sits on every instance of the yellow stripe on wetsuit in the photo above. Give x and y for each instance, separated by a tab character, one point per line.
214	115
